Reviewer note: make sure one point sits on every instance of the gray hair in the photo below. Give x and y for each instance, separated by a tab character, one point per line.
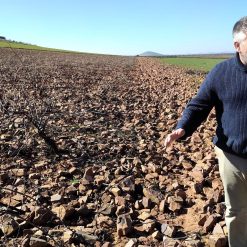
239	31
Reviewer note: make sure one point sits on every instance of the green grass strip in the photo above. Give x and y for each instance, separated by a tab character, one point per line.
195	63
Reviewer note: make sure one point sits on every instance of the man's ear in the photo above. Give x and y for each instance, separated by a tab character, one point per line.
237	46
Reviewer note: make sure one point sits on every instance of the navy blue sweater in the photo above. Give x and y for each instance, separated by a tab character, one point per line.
225	88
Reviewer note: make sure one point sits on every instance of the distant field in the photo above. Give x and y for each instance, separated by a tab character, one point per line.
197	63
18	45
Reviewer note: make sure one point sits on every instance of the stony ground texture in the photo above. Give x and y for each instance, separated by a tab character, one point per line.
82	158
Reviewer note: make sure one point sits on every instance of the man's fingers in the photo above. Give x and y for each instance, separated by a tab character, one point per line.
168	141
176	134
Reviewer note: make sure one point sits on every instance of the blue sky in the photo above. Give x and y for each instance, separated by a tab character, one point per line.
124	27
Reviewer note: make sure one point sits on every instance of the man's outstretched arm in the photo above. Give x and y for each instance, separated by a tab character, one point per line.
195	112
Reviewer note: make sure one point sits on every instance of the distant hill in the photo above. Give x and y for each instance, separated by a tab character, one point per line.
151	54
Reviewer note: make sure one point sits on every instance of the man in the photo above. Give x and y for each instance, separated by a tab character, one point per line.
225	88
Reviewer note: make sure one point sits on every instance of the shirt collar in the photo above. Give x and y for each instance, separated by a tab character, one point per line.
239	64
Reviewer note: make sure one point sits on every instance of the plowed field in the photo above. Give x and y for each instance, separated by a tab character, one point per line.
82	157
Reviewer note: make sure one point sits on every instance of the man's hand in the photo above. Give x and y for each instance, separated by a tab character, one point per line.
176	134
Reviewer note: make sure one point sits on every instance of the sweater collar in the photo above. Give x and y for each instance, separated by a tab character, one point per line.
239	64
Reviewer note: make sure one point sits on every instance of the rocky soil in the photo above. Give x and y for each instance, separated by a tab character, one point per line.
82	158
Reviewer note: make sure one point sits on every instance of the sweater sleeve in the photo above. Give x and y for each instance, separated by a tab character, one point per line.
198	109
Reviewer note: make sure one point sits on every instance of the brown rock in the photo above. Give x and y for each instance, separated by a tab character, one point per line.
5	137
56	198
216	183
139	229
154	195
144	169
193	243
71	190
153	168
143	239
83	210
180	193
132	243
209	224
162	206
151	176
121	210
198	173
40	165
34	176
42	216
38	233
83	186
98	179
124	225
220	208
175	203
8	225
25	242
74	171
198	187
218	196
146	202
89	174
104	221
217	241
175	185
107	209
83	199
38	242
4	177
187	166
107	244
119	200
138	204
175	206
148	225
169	242
144	215
106	198
18	172
218	230
162	179
13	200
128	184
155	211
202	221
63	211
167	230
157	235
116	191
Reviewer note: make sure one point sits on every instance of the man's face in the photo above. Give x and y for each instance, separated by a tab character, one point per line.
241	48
